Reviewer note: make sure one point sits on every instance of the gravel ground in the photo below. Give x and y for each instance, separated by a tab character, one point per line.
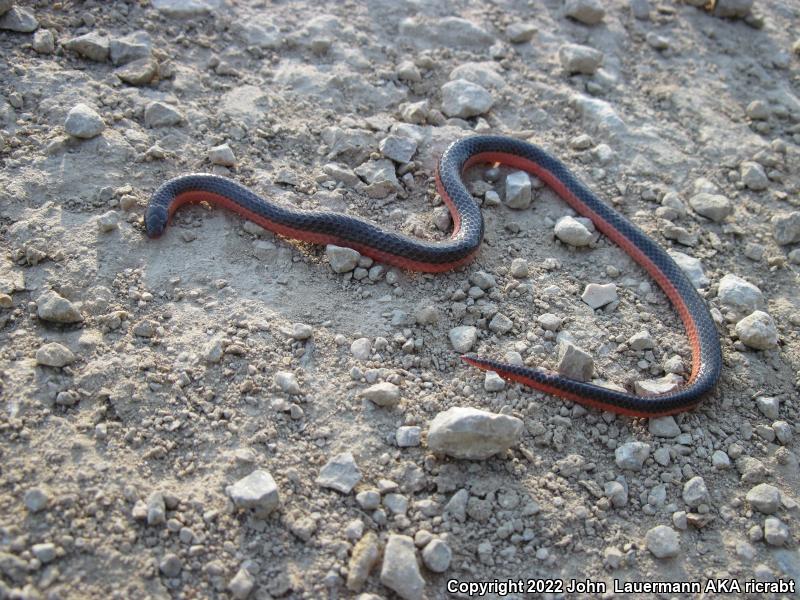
226	413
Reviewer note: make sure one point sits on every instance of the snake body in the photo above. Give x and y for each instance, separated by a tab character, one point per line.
396	249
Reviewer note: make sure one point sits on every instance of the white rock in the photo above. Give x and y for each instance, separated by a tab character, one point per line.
662	541
720	460
753	176
641	341
36	499
493	382
549	321
463	432
463	338
381	177
757	330
46	552
83	122
185	8
340	473
597	294
575	58
287	382
599	116
786	228
631	456
242	584
156	509
400	570
519	268
662	385
257	491
692	267
588	12
51	306
462	98
769	406
222	155
571	231
616	493
665	427
369	499
764	498
361	348
54	355
695	492
342	259
108	221
437	556
44	42
449	32
519	33
131	47
483	280
19	19
518	190
501	324
712	206
384	394
738	295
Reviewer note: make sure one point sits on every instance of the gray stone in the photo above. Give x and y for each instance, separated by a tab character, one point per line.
501	324
138	72
369	499
662	541
54	355
738	295
463	338
456	507
571	231
222	155
83	122
588	12
44	42
129	48
400	570
464	432
161	114
364	557
786	228
484	73
519	33
437	556
340	473
695	492
408	436
518	190
108	221
616	493
597	295
170	565
185	8
733	8
380	176
91	45
398	148
692	268
462	98
383	394
257	491
665	427
46	552
483	280
342	259
720	460
640	9
156	509
50	306
549	322
776	533
519	268
36	499
769	406
753	176
641	341
631	456
758	110
449	32
574	362
764	498
757	330
576	58
599	116
19	19
712	206
242	584
654	387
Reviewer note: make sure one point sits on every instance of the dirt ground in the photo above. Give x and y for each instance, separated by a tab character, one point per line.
141	379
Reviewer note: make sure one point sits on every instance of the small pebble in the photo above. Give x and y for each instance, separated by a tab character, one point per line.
83	122
222	155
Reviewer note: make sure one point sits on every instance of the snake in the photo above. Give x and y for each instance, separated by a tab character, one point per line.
396	249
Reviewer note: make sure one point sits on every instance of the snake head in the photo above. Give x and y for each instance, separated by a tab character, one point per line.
155	220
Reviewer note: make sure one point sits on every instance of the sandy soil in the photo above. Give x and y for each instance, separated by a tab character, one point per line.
140	379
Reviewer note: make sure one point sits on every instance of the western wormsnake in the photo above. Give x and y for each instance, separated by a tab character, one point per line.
322	227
